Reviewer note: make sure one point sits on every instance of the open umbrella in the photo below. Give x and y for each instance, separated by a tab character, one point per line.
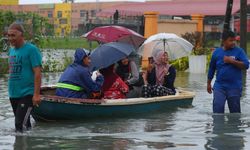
107	54
106	34
175	46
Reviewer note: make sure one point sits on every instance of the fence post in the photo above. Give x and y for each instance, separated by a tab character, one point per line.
150	28
151	23
200	26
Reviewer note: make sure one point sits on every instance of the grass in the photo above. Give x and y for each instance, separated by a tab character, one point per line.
66	43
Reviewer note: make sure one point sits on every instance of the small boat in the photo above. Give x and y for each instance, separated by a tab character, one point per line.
54	107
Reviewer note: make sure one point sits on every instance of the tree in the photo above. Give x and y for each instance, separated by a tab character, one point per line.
35	26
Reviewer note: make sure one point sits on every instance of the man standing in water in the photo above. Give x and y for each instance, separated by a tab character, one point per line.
228	62
24	76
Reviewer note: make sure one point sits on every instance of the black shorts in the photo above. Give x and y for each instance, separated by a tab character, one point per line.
22	108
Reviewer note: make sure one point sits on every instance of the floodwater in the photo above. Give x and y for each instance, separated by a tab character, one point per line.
193	128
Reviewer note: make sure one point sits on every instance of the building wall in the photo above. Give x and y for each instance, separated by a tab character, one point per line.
62	19
88	9
47	11
213	28
237	25
9	2
70	12
21	8
178	27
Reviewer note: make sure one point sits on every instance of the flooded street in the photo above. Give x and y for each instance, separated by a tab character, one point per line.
193	128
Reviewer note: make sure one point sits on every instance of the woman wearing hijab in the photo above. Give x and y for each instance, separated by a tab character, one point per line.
128	71
159	79
114	87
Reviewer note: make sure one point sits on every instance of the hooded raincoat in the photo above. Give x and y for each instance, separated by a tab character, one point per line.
78	76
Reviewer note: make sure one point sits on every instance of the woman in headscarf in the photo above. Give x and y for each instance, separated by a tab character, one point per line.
159	79
128	71
113	87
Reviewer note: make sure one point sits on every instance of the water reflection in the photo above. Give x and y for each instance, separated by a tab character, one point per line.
125	133
244	83
226	133
181	128
21	143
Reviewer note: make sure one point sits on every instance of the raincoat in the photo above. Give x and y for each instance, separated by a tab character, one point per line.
76	81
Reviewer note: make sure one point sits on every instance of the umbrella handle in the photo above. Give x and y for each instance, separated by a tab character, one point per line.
164	44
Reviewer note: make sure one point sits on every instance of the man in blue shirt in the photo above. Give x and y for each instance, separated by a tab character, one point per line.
228	62
24	76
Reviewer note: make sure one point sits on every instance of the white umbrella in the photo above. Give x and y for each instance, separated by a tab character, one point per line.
175	46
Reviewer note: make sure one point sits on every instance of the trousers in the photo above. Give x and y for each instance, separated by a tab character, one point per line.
232	96
22	108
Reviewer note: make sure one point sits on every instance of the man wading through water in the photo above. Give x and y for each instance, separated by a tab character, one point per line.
24	76
228	62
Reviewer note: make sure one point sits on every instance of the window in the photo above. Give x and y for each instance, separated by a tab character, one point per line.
83	13
59	14
63	21
93	13
50	15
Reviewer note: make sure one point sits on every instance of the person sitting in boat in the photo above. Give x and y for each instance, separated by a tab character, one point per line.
129	73
114	87
76	81
159	77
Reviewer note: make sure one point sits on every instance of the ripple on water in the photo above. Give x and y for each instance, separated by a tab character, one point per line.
183	128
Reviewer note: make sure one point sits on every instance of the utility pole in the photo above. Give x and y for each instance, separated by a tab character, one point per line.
228	15
243	24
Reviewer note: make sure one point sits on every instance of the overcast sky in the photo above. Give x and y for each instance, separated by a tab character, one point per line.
59	1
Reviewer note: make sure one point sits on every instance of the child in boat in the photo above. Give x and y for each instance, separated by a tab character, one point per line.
113	87
76	81
159	77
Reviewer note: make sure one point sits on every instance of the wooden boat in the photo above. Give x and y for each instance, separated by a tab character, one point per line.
60	108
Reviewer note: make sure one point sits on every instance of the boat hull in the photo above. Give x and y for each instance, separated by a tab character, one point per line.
61	108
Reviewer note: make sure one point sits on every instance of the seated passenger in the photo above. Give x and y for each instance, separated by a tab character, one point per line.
159	77
113	87
129	73
76	81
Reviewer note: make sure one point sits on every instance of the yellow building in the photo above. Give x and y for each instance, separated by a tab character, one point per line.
62	19
9	2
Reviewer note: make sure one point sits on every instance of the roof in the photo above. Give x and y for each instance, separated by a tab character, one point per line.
174	7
